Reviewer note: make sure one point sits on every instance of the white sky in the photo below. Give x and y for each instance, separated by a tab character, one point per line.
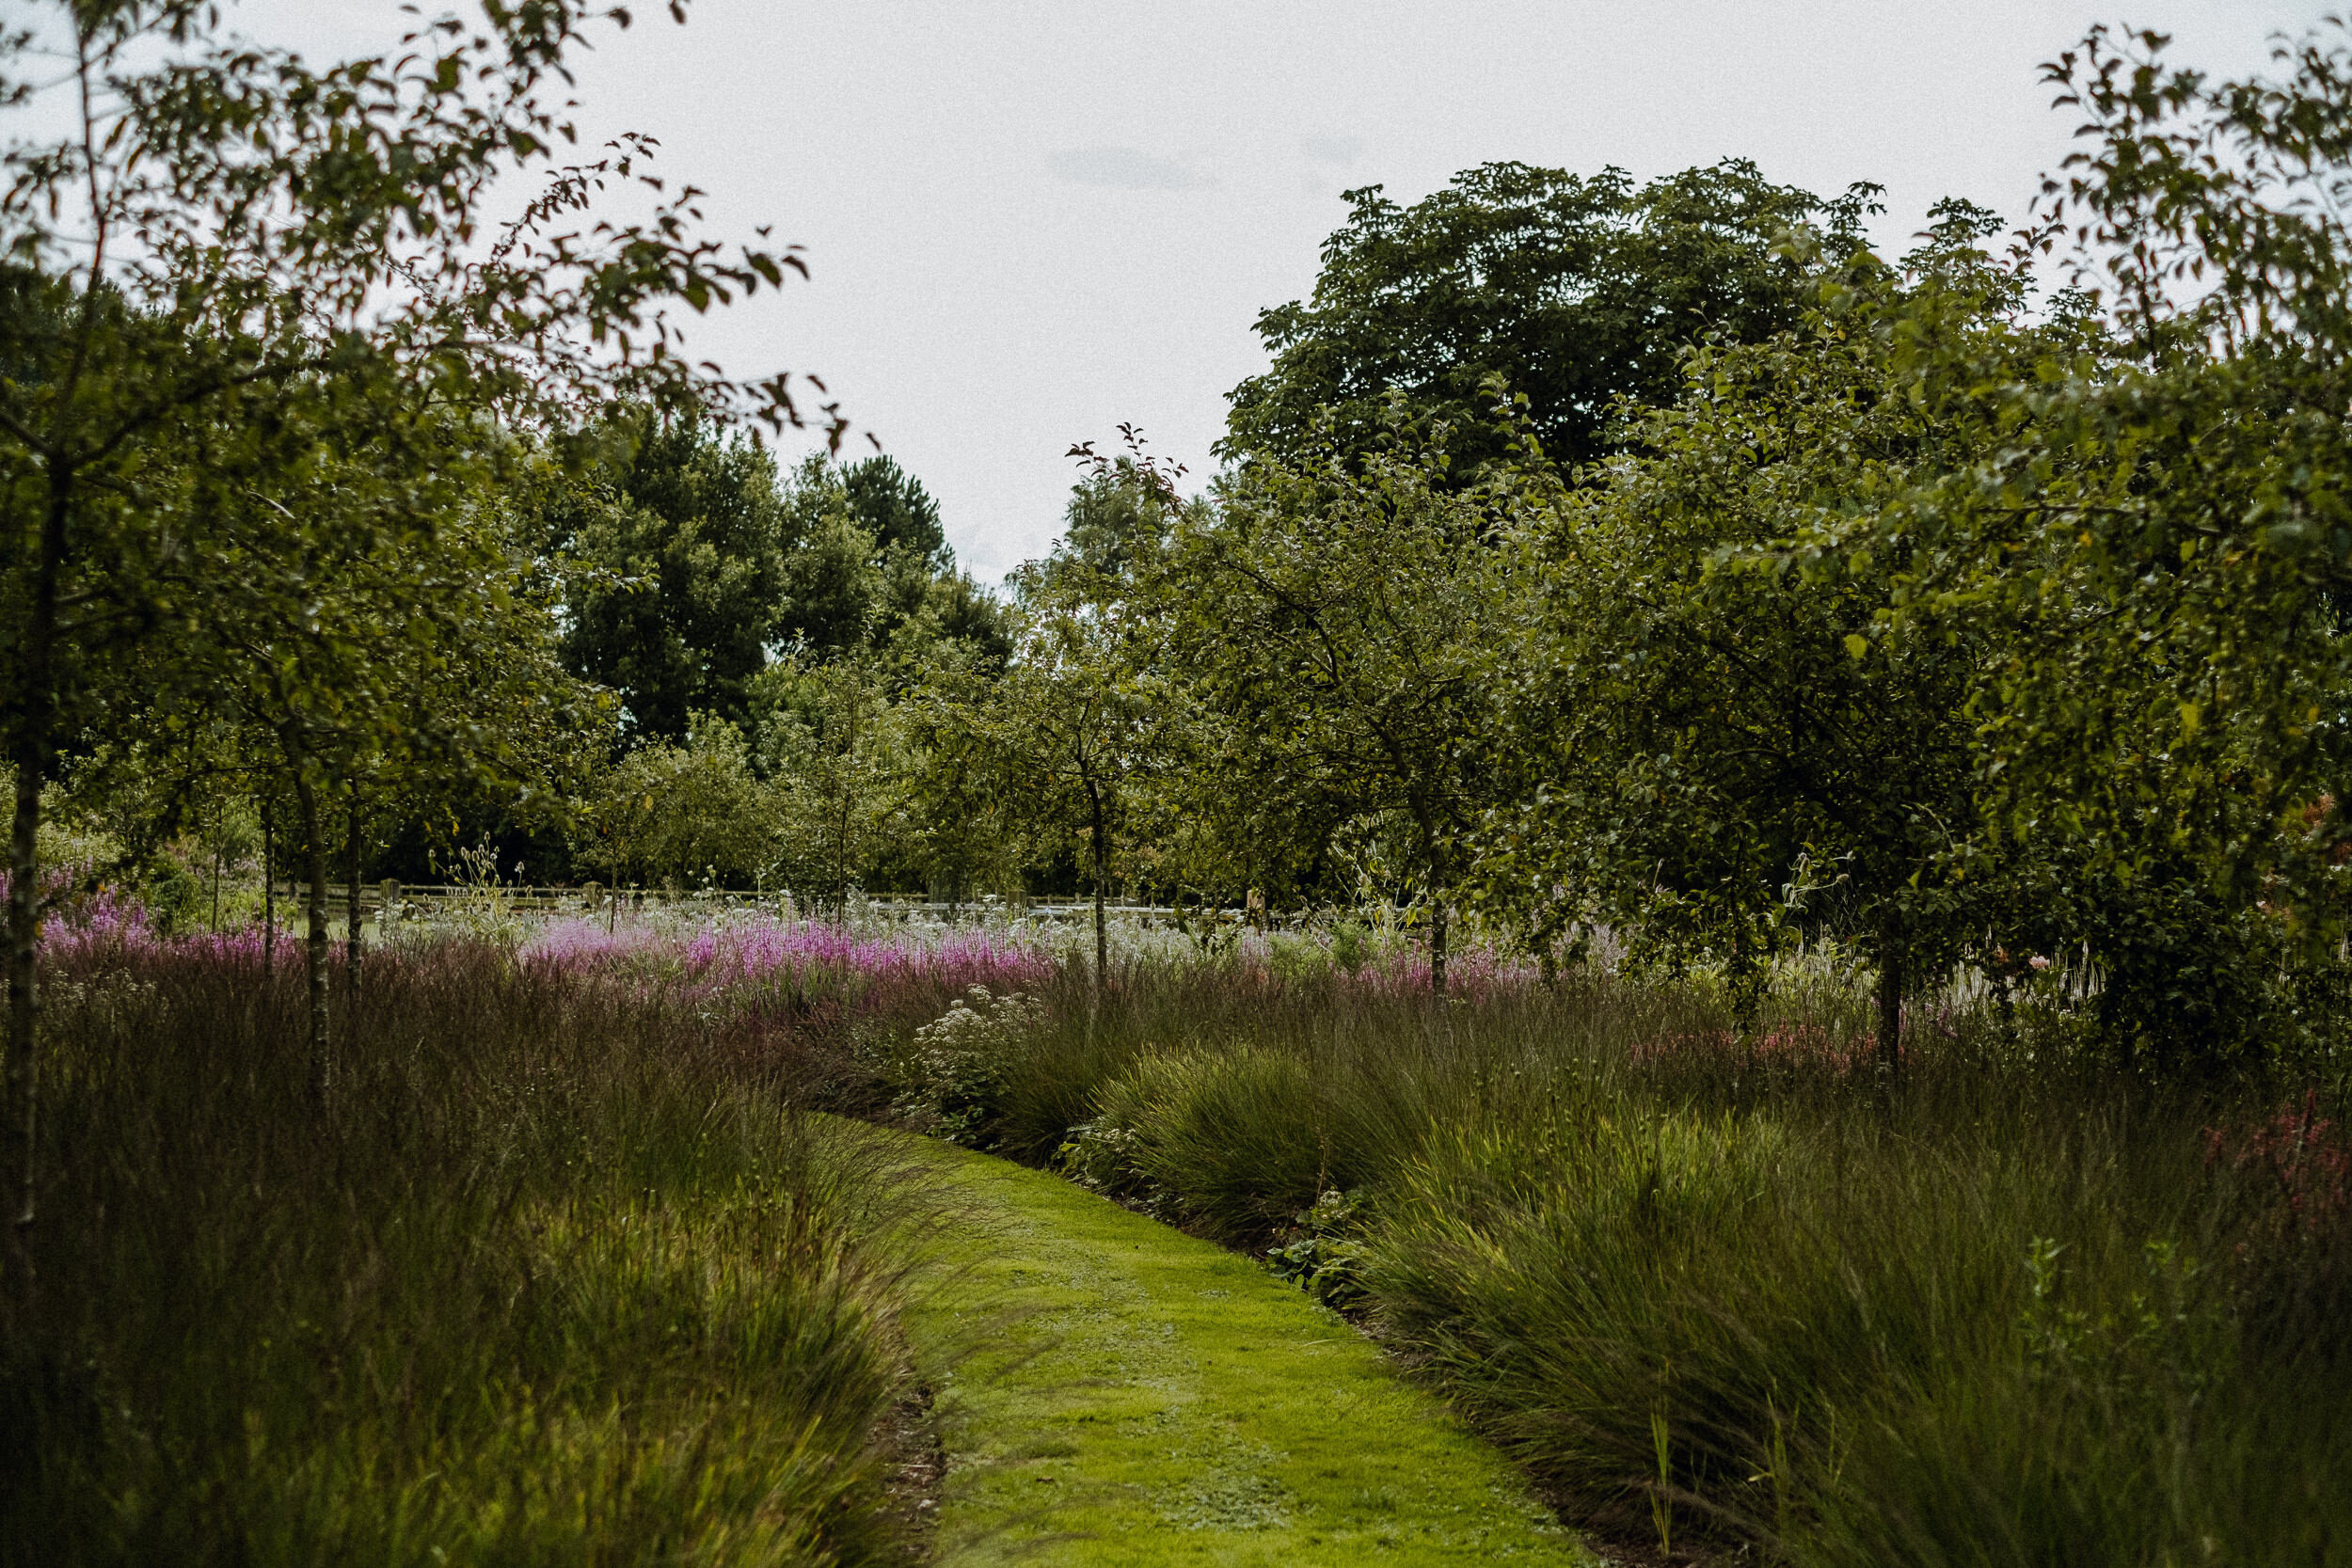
1028	222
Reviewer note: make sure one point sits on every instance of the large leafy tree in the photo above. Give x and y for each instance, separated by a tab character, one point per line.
676	553
893	506
1718	749
871	575
2160	547
1578	292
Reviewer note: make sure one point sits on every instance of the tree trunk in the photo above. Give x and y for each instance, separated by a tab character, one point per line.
1102	925
37	709
1425	820
351	903
1892	980
16	1136
1438	912
316	947
269	887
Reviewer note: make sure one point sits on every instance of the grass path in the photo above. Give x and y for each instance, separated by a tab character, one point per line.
1124	1394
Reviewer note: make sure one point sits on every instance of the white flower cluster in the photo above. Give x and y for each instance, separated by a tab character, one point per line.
950	1081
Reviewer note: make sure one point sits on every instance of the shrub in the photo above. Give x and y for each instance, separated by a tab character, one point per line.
951	1079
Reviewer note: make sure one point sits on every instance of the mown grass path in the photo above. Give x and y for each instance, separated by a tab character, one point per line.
1120	1393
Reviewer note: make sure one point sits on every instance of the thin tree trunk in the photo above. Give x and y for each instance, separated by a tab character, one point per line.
217	817
269	886
35	712
841	863
16	1136
350	904
317	948
1438	912
1102	925
1892	981
1426	822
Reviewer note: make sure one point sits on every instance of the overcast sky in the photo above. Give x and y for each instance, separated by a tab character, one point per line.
1027	222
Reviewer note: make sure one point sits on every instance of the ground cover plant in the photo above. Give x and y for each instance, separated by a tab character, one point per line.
557	1236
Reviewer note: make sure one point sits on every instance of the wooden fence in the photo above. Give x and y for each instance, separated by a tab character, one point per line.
425	897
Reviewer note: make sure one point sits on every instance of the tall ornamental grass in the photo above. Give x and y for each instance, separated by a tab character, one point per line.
552	1275
2016	1306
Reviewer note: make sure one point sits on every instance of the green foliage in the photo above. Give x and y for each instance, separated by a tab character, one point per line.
892	506
264	334
836	749
1720	753
950	1079
1233	1142
1065	733
870	574
677	558
1323	1252
2147	545
687	815
2022	1312
1579	292
1333	622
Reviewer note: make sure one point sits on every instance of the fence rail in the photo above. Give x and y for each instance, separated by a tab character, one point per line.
374	895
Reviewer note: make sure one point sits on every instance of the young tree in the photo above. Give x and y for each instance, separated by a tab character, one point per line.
688	813
1332	622
834	743
1067	730
227	225
368	613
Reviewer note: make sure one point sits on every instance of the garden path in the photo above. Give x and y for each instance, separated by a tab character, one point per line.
1117	1393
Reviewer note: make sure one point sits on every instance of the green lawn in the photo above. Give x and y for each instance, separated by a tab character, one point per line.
1124	1394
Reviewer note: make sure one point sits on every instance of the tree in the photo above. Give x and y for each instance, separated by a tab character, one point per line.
367	612
676	552
870	573
688	813
1066	731
1579	292
836	746
2159	547
1332	622
225	227
892	505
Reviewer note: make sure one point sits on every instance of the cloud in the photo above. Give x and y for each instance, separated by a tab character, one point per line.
1332	150
1123	169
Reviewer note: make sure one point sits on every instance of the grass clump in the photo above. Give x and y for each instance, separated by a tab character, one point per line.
549	1276
2018	1306
1236	1140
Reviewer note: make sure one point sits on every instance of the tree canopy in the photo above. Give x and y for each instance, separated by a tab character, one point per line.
1577	291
